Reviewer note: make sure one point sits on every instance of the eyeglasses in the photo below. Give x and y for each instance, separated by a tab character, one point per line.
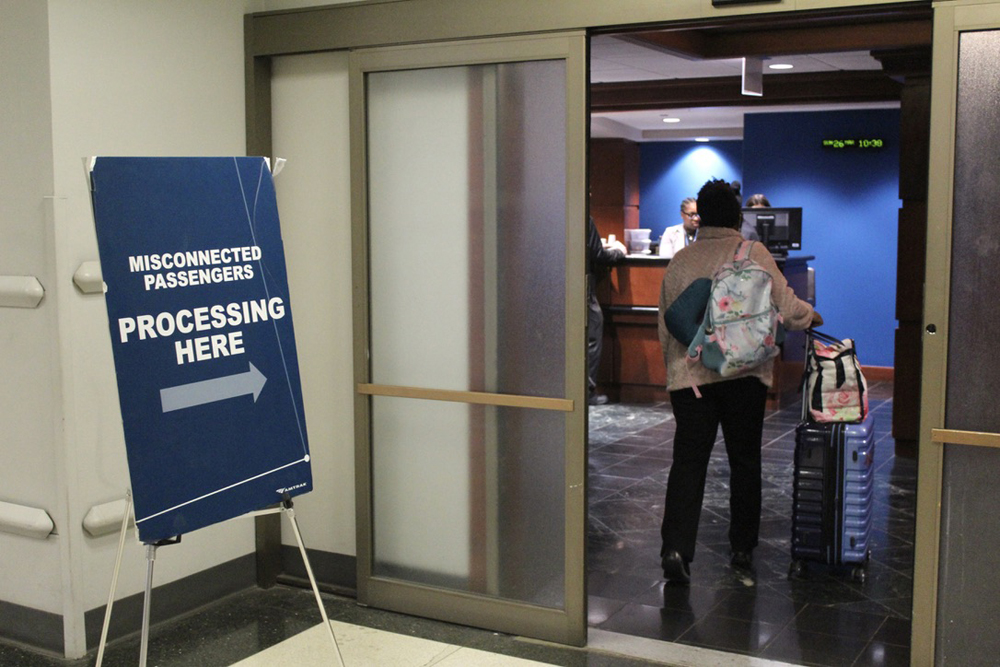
693	216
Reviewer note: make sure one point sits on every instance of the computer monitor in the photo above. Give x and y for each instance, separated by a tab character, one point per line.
780	229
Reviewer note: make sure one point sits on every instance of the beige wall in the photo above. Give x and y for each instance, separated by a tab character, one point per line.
82	79
29	394
310	120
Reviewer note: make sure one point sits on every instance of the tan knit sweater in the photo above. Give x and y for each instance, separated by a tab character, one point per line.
714	247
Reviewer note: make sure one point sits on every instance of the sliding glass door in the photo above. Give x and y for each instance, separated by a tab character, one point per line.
469	308
955	584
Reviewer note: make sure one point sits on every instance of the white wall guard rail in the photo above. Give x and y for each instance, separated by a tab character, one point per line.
105	518
88	277
26	521
20	292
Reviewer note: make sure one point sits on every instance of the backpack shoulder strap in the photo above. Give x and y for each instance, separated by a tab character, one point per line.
743	250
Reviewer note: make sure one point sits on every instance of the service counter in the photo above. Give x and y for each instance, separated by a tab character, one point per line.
632	369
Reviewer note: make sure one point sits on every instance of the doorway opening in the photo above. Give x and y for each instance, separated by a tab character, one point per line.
867	66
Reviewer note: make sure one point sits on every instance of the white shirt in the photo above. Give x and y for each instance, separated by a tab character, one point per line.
673	239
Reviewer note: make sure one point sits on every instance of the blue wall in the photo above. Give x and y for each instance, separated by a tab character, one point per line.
849	199
671	171
850	207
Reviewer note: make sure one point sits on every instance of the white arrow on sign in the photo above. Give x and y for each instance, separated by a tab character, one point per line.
209	391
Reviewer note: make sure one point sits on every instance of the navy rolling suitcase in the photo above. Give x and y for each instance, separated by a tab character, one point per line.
832	501
833	494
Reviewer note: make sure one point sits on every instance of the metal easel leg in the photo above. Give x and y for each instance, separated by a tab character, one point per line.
150	558
114	579
144	646
287	503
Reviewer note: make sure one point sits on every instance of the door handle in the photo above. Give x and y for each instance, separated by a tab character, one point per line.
974	438
476	397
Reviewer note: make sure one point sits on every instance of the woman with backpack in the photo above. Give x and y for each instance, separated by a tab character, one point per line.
703	398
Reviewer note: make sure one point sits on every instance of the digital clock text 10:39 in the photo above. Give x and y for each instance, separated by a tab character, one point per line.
868	143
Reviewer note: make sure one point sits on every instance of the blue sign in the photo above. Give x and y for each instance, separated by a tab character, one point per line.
201	330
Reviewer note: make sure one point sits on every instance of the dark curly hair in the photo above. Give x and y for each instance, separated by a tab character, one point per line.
718	205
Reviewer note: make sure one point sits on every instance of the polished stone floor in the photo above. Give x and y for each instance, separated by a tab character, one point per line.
255	620
822	618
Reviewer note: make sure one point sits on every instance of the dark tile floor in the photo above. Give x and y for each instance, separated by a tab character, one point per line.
821	618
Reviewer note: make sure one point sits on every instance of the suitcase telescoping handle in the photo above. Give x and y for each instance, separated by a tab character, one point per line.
816	333
810	333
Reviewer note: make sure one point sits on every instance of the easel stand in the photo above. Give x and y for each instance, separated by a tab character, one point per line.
286	507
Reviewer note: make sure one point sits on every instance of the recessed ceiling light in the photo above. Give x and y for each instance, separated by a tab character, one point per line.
780	66
671	119
703	140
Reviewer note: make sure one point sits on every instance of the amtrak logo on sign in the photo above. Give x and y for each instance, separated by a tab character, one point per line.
201	330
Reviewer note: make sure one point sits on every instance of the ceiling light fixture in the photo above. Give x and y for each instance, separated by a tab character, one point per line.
781	66
671	119
702	140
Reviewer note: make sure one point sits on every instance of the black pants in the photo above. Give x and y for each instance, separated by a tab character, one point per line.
595	339
739	406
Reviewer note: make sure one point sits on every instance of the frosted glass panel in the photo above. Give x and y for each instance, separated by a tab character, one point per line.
968	585
419	138
470	497
467	220
974	377
467	227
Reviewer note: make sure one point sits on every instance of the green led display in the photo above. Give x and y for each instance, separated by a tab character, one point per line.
867	143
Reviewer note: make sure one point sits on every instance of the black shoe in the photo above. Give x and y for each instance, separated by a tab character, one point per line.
675	568
741	560
598	399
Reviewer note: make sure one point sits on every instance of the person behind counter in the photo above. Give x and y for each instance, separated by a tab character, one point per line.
735	403
747	229
676	237
597	256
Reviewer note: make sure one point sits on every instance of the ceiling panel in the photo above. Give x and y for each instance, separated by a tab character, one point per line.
620	59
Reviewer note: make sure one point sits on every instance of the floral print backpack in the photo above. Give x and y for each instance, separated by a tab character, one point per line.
741	328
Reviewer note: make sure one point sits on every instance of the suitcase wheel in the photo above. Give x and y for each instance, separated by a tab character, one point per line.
860	572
